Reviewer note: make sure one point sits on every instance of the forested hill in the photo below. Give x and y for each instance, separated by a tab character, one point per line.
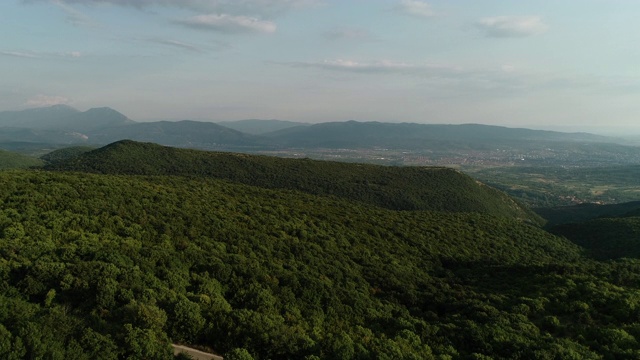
582	212
65	153
116	267
12	160
605	238
398	188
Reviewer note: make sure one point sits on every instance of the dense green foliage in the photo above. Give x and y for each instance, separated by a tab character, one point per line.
404	188
113	267
66	153
605	238
583	212
12	160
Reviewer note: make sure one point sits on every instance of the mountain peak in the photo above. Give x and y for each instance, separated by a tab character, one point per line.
105	111
61	107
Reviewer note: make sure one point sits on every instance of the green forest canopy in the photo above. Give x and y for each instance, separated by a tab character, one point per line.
103	266
398	188
142	261
12	160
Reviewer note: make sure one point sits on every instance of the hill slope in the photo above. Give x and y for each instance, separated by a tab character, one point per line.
63	118
35	136
186	133
11	160
259	127
353	134
65	154
403	188
607	237
103	266
37	118
583	212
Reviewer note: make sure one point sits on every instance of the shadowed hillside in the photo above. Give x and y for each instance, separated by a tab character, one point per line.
605	238
65	153
402	188
582	212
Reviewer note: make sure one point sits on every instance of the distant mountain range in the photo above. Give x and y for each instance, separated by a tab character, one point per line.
62	124
63	118
185	133
353	134
260	127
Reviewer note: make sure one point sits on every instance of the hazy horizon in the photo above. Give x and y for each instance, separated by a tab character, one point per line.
629	132
541	65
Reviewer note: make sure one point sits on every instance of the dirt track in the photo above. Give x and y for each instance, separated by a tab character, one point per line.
196	354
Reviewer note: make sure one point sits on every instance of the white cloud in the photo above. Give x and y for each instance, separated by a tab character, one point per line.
503	80
47	100
229	23
506	79
177	44
265	8
512	26
20	54
40	55
348	33
73	16
415	8
381	67
229	16
132	3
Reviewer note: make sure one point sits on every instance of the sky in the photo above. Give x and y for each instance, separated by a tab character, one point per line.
570	65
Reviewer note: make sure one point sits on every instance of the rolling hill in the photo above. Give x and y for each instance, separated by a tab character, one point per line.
260	127
48	138
353	134
65	153
119	251
186	133
402	188
119	266
116	252
11	160
38	118
63	118
61	124
605	238
583	212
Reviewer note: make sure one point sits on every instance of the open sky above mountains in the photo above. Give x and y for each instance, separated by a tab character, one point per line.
564	65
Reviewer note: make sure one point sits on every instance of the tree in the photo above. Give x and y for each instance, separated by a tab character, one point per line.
238	354
146	344
187	321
